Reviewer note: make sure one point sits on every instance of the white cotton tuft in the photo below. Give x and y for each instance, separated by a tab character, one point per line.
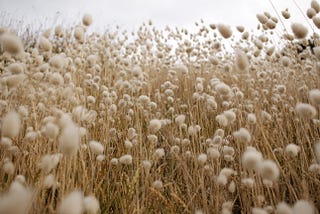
242	135
224	30
304	207
126	159
180	119
202	159
242	61
283	208
299	30
269	170
69	140
49	162
314	96
158	185
91	205
317	150
87	19
154	125
11	124
292	150
11	43
96	147
251	159
306	110
72	203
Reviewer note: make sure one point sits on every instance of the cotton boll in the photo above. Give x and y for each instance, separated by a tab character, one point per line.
44	45
49	162
222	120
232	187
251	159
248	182
49	181
251	118
304	207
180	119
314	96
213	153
7	142
146	165
16	68
50	130
242	62
8	167
158	185
315	5
114	161
262	18
126	159
96	147
56	79
154	125
72	203
224	30
242	135
11	124
87	19
306	110
292	150
69	140
91	205
202	159
79	33
269	170
283	208
299	30
19	195
159	153
230	115
11	43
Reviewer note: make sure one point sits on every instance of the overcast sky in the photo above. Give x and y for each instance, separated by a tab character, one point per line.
130	13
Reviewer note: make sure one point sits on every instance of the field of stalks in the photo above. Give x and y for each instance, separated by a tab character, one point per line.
222	120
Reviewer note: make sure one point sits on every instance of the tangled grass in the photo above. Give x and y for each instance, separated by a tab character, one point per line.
161	121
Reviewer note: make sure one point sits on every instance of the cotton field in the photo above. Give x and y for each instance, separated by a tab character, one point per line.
223	120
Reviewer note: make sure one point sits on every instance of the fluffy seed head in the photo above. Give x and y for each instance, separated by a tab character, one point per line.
158	185
8	167
69	140
269	170
180	119
306	110
251	159
11	43
242	135
283	208
304	207
242	62
126	159
71	203
91	205
299	30
315	5
292	150
44	45
314	96
155	125
11	124
202	158
225	30
96	147
87	19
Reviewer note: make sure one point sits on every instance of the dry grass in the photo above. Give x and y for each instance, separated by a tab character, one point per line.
100	115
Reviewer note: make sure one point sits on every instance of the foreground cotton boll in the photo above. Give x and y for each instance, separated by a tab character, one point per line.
180	119
48	181
242	135
314	96
11	43
251	159
154	125
69	140
224	30
91	205
17	200
72	203
87	19
292	150
8	167
50	130
269	170
11	124
126	159
299	30
96	147
283	208
306	110
304	207
202	159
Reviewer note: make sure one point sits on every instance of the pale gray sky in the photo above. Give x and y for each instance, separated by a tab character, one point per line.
130	14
